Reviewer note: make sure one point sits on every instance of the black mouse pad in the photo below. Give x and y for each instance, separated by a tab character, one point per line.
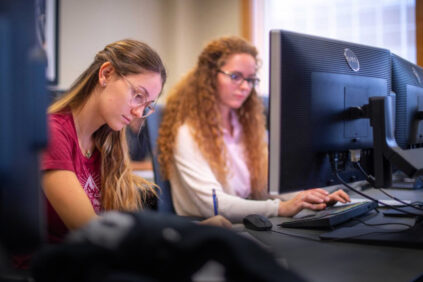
392	212
390	234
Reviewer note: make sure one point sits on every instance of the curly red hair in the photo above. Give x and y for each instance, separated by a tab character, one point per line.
194	101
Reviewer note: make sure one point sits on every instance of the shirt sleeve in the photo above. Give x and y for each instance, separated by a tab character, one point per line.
197	182
58	154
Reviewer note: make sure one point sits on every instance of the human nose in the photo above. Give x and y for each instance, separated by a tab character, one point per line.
137	111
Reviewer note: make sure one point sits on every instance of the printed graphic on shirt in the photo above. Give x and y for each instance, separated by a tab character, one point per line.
91	184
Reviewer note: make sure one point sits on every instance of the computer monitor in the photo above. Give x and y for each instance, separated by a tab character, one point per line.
407	83
23	102
313	83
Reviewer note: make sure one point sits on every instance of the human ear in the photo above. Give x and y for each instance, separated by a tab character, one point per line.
105	73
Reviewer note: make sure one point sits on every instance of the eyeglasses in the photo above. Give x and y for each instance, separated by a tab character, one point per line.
238	78
140	98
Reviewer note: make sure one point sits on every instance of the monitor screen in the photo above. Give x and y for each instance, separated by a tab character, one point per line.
313	81
23	101
407	83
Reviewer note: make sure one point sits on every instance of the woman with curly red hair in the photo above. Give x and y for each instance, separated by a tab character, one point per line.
213	138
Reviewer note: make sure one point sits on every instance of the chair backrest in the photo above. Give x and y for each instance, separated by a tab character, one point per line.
164	204
265	100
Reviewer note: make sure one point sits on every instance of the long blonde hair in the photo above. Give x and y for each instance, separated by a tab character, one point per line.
120	189
194	100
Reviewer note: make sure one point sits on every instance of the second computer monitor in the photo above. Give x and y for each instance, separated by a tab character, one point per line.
407	83
313	81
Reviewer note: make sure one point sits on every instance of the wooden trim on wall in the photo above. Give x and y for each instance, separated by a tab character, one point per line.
419	31
246	26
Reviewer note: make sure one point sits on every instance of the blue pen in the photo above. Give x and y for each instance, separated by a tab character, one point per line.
216	209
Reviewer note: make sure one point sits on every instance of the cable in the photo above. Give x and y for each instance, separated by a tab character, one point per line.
334	158
352	237
364	234
398	200
370	179
371	198
384	192
361	169
346	238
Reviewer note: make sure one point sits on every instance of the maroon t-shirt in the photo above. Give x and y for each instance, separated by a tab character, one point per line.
63	153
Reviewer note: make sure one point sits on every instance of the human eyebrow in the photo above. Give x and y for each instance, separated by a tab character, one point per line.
142	90
253	75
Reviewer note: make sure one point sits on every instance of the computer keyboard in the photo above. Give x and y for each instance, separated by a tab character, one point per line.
331	216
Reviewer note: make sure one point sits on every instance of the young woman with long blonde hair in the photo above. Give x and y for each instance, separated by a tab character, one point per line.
86	165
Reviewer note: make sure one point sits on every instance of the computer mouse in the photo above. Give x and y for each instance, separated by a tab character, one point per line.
257	222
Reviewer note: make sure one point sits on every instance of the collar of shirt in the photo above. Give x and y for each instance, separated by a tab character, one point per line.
236	129
239	176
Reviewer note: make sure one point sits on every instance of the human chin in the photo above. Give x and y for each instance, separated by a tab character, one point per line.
235	105
116	126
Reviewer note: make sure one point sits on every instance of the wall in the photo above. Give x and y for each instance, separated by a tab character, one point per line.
177	29
86	26
192	24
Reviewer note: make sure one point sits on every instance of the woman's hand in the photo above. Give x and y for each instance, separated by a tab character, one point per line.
314	199
338	196
217	220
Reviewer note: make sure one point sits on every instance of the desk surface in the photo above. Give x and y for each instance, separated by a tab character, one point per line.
343	261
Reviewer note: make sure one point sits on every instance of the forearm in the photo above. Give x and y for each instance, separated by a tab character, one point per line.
283	197
68	198
193	197
194	181
236	208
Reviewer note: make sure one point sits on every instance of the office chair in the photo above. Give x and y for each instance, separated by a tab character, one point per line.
164	204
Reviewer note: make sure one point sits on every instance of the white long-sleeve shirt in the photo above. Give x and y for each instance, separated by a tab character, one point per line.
193	182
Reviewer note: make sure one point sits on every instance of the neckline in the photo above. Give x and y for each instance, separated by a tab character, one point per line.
234	123
88	154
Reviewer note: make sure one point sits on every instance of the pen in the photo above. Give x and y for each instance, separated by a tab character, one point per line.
216	211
